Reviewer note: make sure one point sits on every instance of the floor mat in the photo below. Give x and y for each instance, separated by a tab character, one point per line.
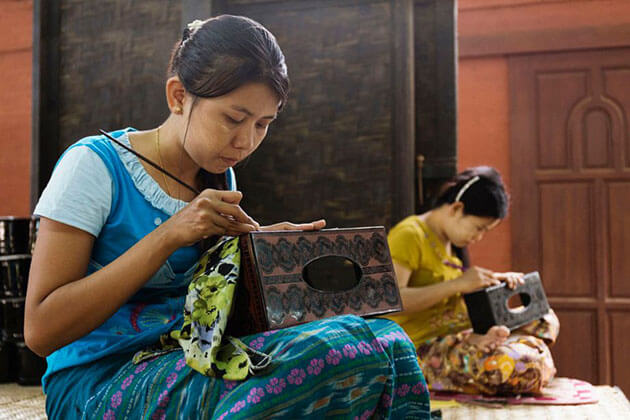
561	391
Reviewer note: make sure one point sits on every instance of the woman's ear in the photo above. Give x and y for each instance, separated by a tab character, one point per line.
175	95
456	209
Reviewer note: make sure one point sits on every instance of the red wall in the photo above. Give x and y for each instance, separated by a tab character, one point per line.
16	48
483	139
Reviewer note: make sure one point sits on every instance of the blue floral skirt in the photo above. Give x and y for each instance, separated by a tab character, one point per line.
342	367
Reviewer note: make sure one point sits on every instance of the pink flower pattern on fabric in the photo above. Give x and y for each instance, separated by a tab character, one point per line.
230	384
364	347
367	414
142	366
255	395
109	415
275	385
163	399
127	382
296	376
237	407
383	342
403	390
159	415
333	357
419	388
171	379
180	364
268	333
116	399
257	343
386	400
315	367
349	351
376	345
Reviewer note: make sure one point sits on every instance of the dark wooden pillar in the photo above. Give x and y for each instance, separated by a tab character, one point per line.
436	92
403	140
45	104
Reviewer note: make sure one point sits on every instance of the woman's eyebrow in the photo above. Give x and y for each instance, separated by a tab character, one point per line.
251	114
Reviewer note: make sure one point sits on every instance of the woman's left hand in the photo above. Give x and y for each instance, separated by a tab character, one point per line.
512	279
316	225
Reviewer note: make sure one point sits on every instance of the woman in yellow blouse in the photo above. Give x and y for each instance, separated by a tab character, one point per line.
432	279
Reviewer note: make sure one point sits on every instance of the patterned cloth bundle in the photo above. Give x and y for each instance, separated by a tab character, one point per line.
206	312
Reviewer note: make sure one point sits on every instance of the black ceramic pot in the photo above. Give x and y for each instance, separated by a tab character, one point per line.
7	362
32	234
14	235
12	318
14	274
30	367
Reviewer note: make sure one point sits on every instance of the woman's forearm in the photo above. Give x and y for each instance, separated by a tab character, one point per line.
78	307
417	299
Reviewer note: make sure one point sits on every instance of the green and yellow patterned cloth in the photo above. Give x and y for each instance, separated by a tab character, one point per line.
206	312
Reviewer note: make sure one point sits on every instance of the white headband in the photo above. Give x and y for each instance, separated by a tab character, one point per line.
465	187
192	28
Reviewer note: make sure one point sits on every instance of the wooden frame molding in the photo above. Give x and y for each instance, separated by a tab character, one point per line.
517	27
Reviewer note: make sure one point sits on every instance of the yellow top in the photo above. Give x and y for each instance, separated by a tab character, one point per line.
415	246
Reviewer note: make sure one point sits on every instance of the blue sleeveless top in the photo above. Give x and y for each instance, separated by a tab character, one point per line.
138	205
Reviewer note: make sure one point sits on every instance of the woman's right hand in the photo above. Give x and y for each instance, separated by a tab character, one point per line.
212	212
477	278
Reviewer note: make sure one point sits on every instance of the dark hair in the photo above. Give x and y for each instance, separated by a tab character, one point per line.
220	54
484	197
225	52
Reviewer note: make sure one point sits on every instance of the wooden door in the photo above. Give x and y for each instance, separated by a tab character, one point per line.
571	201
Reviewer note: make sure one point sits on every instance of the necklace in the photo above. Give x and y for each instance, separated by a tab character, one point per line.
162	164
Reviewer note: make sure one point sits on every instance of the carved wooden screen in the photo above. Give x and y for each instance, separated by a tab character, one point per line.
330	152
571	201
97	65
344	148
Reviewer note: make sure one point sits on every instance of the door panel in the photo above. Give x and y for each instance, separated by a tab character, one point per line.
619	222
619	326
564	274
556	91
580	348
570	160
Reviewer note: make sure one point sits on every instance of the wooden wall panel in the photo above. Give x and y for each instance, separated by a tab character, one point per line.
618	194
97	65
342	149
498	27
566	222
577	345
345	145
556	91
619	327
105	56
616	79
597	140
577	223
333	139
